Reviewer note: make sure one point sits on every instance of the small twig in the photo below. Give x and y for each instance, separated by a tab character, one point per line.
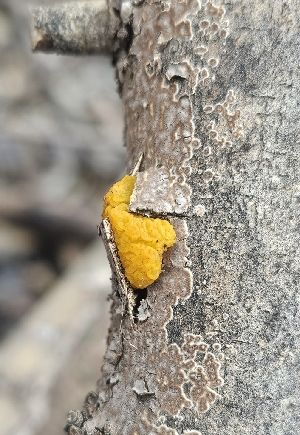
72	28
137	166
130	343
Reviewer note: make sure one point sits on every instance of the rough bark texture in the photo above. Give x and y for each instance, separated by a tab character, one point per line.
210	98
72	28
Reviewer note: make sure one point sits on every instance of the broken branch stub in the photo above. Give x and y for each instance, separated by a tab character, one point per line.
72	28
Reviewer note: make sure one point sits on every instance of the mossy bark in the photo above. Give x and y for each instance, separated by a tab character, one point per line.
210	97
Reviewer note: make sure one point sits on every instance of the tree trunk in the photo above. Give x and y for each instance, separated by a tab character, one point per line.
210	98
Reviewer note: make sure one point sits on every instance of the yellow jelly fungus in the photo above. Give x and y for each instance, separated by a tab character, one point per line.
141	241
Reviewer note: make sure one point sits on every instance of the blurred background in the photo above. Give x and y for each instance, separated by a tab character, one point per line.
60	151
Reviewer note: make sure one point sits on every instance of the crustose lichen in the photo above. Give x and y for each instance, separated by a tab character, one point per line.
141	241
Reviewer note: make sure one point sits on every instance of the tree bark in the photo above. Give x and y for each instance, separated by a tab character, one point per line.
72	28
210	99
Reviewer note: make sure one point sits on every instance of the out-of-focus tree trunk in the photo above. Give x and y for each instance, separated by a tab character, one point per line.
210	94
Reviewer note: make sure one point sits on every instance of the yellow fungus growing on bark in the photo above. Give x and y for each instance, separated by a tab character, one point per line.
141	241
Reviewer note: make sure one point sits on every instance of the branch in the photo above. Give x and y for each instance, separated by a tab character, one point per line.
72	28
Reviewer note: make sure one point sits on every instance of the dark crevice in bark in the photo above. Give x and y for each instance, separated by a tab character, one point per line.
140	295
129	39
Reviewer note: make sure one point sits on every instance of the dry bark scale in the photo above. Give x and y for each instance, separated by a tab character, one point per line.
210	99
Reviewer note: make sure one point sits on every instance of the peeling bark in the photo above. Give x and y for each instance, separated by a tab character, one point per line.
210	99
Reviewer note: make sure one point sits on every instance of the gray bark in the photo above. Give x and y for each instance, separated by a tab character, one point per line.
72	28
210	98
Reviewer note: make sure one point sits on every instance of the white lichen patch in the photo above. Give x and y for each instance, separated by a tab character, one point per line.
201	50
216	347
220	118
226	126
201	393
204	377
208	175
158	111
200	210
193	344
207	151
210	37
213	62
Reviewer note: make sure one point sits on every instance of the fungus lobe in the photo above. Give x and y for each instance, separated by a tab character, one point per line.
141	241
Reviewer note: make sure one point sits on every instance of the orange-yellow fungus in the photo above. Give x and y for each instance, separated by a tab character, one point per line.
141	241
